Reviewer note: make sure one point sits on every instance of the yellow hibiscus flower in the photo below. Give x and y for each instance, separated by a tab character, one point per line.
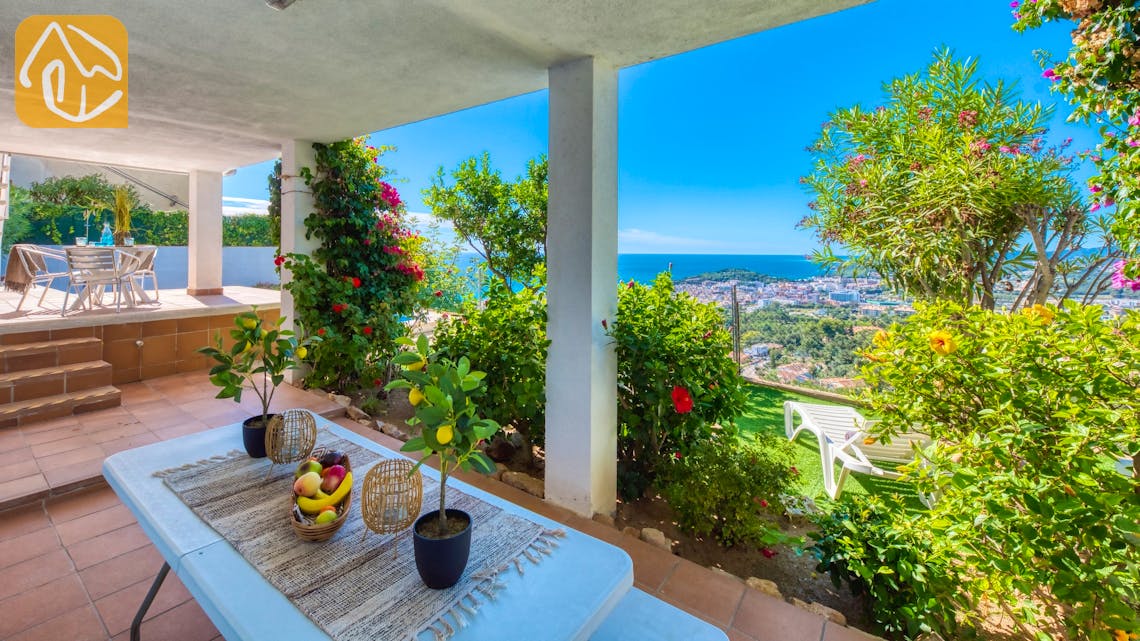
942	342
1039	311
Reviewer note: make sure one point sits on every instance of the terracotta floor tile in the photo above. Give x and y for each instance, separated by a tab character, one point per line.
737	635
57	434
94	524
41	604
71	477
185	622
11	439
174	431
34	572
101	420
651	567
40	450
75	505
25	464
107	546
699	589
156	405
121	430
22	487
833	632
28	546
137	393
123	571
48	425
770	619
129	442
71	457
22	520
80	624
119	608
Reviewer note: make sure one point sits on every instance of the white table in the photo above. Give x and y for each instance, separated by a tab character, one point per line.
566	597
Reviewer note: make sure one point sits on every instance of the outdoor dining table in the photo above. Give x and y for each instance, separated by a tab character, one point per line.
566	597
132	295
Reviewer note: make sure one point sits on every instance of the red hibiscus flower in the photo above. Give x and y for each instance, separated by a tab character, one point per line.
367	331
367	241
321	332
438	293
377	382
355	281
763	503
279	261
682	401
767	552
338	307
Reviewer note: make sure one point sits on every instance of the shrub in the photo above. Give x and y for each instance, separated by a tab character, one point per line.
723	488
675	378
359	282
1031	412
877	550
507	340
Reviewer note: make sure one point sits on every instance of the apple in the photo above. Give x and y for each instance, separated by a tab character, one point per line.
327	515
305	467
308	484
332	478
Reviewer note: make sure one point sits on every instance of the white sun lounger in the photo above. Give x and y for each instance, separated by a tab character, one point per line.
844	441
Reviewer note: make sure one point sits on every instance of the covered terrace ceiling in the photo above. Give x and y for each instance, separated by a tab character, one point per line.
216	84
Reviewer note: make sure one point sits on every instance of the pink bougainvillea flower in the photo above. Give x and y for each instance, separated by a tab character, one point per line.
707	335
355	281
367	241
1050	74
1005	149
438	293
1120	281
1094	207
677	455
767	552
604	325
682	401
279	261
1132	142
367	330
629	285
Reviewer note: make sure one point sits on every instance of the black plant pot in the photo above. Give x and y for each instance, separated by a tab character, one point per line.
441	561
253	435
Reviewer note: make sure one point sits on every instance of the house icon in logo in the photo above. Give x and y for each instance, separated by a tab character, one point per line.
71	71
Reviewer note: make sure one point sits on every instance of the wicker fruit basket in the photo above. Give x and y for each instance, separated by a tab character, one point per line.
303	524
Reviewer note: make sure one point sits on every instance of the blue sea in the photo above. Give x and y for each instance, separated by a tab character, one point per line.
643	268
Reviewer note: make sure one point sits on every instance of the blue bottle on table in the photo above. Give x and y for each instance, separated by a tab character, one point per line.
108	239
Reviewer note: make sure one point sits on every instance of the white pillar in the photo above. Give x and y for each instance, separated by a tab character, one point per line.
205	269
581	369
296	204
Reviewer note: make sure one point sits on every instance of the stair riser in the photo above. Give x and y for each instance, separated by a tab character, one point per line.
63	355
57	383
14	418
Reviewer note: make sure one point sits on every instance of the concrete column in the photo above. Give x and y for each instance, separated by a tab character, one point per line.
581	369
205	269
296	204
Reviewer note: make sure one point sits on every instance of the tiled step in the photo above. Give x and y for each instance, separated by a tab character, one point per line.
41	354
49	381
39	409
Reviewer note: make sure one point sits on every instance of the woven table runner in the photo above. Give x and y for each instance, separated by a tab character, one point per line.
351	586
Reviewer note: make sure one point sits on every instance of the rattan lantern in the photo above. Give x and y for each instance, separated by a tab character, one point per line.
391	497
290	438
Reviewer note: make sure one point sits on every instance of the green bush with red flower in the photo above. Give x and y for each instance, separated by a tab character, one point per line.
1036	420
676	381
362	280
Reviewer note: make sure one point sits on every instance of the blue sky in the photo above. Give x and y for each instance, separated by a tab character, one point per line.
711	142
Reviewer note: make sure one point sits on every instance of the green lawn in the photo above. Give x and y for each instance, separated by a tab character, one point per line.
764	413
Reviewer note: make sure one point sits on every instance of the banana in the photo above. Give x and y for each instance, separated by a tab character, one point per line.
314	505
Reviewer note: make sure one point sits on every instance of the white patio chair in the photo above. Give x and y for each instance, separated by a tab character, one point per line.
34	261
844	441
91	271
145	269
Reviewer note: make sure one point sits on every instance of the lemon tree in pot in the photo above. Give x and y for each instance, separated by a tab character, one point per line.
444	394
260	356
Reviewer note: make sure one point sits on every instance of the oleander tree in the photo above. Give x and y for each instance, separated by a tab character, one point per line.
948	191
1100	77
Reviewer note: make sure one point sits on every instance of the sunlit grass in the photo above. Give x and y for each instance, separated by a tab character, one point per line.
764	413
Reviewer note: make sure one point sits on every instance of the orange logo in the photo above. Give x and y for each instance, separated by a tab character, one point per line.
71	71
